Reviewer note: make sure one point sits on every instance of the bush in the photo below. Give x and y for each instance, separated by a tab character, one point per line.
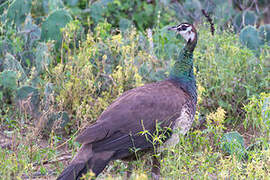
94	63
229	73
93	75
258	113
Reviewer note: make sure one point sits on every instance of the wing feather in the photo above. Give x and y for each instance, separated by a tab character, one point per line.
137	110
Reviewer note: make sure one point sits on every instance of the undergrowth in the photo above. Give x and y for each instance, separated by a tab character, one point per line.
92	71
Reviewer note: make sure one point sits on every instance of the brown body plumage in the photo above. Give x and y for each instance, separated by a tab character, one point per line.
118	129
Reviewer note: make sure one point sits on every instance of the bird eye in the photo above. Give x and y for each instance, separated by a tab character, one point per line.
183	28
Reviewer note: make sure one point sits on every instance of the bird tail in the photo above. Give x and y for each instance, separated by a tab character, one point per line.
84	161
72	172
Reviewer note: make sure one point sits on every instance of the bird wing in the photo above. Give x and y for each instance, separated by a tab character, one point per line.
137	110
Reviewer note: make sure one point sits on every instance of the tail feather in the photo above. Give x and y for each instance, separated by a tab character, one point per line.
72	172
84	161
99	161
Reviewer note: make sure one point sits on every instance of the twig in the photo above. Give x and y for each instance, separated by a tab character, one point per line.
63	158
210	20
68	139
39	174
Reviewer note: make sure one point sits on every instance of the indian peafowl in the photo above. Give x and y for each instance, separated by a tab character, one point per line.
170	103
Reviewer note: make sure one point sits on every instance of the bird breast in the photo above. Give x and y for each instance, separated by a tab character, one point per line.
182	125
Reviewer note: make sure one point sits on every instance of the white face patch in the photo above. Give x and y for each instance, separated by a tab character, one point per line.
187	34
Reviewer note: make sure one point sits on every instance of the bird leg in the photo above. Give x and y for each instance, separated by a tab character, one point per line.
155	168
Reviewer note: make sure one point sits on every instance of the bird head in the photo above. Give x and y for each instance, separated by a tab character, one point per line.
186	30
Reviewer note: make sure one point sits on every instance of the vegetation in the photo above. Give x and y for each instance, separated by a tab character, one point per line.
62	62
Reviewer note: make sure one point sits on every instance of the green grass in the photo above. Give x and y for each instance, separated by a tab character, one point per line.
233	88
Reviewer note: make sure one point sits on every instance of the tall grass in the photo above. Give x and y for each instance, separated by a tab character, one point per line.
94	70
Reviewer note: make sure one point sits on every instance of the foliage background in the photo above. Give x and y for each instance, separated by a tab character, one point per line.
62	62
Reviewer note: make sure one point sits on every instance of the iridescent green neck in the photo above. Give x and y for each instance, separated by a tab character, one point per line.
183	65
182	70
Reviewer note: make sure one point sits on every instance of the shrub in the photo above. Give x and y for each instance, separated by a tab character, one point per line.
229	73
258	113
93	75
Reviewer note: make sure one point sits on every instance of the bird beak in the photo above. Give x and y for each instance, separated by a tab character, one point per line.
173	28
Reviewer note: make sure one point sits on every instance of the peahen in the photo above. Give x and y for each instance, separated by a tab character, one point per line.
170	104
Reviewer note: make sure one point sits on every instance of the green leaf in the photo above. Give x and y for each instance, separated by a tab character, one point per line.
10	63
24	92
18	10
98	9
55	5
31	32
52	25
71	2
124	24
244	19
233	143
42	59
264	32
4	6
8	79
249	36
